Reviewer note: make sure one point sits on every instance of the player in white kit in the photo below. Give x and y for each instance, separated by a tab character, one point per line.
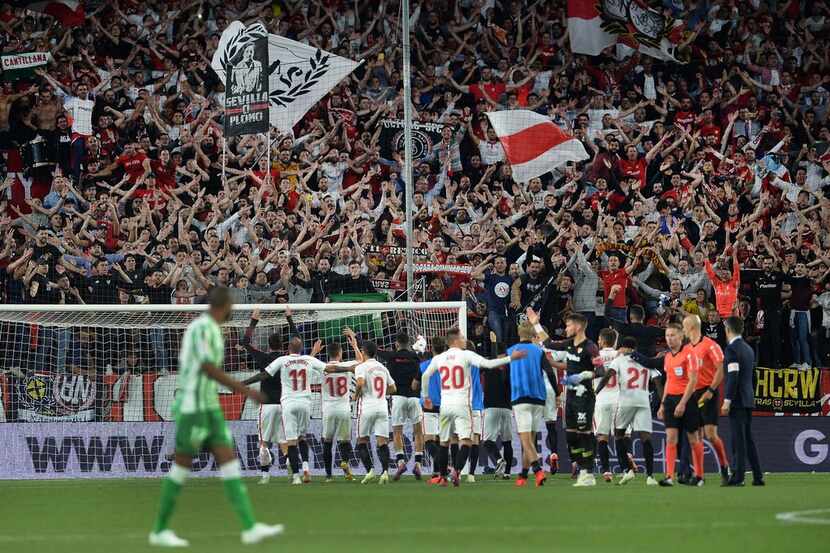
336	391
295	370
606	403
373	384
455	415
633	407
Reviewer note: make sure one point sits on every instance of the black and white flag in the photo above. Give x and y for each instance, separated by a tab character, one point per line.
298	75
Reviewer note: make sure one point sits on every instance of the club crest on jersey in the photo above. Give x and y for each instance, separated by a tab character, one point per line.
678	371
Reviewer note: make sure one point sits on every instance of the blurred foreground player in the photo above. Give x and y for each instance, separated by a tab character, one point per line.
200	423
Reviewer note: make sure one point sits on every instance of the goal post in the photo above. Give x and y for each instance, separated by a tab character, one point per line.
87	390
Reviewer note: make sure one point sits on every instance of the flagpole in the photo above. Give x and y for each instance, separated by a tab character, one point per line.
407	133
268	157
224	158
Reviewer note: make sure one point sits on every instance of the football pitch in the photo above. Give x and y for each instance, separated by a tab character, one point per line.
114	516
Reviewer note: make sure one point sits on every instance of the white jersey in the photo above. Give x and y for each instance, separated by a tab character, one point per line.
337	387
609	394
81	112
632	382
376	379
454	366
295	370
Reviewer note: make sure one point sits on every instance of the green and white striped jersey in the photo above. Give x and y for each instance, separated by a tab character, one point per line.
202	343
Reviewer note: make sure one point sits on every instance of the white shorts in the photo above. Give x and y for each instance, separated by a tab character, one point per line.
374	422
528	417
604	418
551	412
337	424
638	418
455	419
430	424
270	425
405	410
478	423
498	423
295	419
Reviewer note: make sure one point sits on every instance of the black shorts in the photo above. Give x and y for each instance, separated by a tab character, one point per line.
579	412
689	422
709	411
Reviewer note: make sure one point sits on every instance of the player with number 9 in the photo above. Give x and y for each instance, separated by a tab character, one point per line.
373	384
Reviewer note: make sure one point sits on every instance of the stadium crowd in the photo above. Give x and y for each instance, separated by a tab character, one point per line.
704	192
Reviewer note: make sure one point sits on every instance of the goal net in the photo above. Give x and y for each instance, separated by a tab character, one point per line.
88	390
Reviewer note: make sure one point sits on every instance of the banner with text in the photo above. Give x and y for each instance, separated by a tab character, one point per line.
139	449
246	90
20	66
424	137
788	390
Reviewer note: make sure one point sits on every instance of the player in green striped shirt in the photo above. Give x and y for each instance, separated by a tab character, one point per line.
200	423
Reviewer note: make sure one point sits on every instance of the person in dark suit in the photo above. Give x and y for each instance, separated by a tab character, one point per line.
738	402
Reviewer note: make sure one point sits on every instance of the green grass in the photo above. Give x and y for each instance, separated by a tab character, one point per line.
113	516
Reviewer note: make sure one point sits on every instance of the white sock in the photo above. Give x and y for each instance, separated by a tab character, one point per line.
230	470
178	474
305	465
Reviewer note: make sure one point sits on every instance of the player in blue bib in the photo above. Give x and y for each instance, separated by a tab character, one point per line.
478	416
527	396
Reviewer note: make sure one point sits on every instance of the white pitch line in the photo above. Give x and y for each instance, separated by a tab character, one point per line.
799	516
391	531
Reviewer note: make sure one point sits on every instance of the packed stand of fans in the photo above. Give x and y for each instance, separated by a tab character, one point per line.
704	192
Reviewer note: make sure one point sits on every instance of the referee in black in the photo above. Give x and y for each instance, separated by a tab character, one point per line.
738	402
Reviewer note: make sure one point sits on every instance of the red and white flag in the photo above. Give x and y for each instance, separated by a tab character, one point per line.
69	12
595	25
533	144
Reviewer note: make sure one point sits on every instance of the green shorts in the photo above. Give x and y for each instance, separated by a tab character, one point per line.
195	431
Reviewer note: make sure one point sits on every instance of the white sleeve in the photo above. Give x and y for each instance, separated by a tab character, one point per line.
360	371
315	363
558	356
274	367
475	359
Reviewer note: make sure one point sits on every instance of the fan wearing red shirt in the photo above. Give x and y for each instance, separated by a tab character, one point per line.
132	161
616	281
632	165
708	127
165	170
685	116
493	89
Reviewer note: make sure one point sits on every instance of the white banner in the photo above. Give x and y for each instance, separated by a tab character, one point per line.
28	60
299	75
